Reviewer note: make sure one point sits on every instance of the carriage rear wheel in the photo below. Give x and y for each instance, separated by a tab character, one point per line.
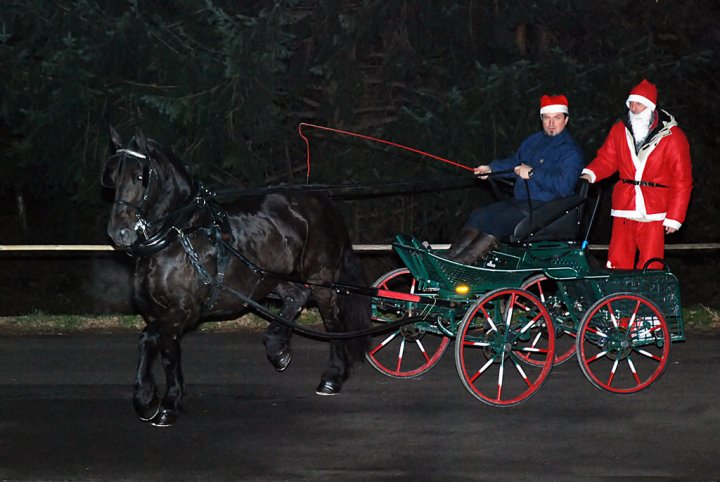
623	343
494	340
410	350
565	327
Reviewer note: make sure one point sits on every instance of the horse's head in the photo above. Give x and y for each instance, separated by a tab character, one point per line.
149	183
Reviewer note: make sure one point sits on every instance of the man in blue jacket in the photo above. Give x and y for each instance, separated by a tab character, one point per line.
546	166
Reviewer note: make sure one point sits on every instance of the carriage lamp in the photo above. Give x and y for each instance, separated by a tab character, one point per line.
462	289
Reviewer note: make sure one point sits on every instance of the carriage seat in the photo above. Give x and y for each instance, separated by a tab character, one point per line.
557	220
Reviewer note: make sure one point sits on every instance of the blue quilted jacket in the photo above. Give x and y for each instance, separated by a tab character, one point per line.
556	161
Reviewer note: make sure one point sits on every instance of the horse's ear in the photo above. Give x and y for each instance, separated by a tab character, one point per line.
112	164
115	139
110	171
141	141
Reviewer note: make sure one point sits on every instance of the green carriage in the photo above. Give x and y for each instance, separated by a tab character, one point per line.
522	310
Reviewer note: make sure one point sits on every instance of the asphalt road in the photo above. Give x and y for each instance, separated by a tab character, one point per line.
66	414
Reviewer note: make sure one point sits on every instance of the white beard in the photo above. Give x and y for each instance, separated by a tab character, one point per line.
640	125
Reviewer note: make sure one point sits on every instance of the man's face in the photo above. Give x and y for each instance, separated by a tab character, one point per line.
554	124
636	107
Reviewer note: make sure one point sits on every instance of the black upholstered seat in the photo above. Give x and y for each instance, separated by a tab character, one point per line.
557	220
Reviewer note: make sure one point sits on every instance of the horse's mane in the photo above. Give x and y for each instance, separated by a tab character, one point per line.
177	164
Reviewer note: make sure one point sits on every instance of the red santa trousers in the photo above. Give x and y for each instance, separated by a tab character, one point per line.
630	236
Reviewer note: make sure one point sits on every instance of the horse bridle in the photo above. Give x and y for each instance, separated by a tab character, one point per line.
168	226
148	174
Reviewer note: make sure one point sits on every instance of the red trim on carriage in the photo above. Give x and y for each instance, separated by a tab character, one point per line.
397	295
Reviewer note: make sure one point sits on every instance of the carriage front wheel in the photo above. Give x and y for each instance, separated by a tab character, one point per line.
493	342
410	350
623	343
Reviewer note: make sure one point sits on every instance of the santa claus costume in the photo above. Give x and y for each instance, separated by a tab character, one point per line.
652	157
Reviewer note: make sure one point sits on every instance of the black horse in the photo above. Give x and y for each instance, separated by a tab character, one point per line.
198	260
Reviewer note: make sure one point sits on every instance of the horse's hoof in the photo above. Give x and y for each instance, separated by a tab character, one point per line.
283	361
147	412
328	387
164	418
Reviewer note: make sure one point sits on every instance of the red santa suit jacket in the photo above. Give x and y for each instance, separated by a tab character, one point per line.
663	159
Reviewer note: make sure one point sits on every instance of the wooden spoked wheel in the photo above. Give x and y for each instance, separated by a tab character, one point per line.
623	343
549	293
408	351
494	341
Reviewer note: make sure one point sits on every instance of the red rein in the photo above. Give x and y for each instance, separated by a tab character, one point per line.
374	139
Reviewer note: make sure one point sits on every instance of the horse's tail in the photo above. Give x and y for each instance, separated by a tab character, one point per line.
354	309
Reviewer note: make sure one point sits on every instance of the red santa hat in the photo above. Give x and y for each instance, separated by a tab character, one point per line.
644	93
553	104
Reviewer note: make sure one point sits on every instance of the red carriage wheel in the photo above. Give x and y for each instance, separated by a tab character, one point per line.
494	340
548	291
623	343
410	350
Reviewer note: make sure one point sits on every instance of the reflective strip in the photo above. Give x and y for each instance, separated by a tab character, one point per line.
133	153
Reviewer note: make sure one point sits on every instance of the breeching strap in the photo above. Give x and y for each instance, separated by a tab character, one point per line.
368	138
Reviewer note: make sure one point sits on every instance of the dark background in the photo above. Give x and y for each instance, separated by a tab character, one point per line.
226	83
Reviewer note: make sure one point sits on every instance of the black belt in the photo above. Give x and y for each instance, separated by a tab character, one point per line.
643	183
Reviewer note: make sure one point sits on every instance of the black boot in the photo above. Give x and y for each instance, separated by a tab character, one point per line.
464	239
477	250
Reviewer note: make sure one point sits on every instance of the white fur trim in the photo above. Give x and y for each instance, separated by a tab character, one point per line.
671	223
592	175
554	109
639	98
637	215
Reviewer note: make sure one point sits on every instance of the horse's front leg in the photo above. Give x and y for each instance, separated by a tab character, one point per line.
170	353
277	335
145	398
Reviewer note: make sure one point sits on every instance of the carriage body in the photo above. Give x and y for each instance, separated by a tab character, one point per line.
512	266
508	266
600	316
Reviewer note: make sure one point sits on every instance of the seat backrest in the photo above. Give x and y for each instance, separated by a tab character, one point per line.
557	220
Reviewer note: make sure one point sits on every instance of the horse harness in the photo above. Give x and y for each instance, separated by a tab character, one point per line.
219	233
173	227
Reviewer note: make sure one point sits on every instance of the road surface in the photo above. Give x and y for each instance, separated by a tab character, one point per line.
66	414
